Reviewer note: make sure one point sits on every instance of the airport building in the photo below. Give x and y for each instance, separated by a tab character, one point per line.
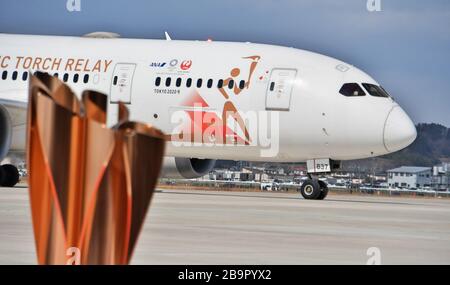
441	177
410	177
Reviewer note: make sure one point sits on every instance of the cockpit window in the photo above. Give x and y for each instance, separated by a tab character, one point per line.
375	90
351	90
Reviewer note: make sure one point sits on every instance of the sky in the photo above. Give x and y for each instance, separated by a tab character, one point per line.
405	46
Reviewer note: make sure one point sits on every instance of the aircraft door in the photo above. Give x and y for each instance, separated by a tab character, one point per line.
278	96
122	82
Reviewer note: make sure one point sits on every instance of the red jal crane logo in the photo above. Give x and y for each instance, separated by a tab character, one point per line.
186	64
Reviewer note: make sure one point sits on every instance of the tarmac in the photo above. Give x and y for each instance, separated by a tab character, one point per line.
209	227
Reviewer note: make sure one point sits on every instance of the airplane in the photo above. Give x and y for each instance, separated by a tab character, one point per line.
216	100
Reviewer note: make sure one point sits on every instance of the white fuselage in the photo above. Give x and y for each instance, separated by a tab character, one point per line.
313	119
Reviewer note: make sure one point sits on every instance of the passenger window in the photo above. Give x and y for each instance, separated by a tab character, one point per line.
14	75
56	74
25	75
168	80
242	84
375	90
4	75
272	86
351	90
220	83
75	78
86	78
178	83
157	81
210	83
231	84
199	83
188	82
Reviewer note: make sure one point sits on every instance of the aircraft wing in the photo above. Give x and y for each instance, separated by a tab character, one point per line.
13	103
14	98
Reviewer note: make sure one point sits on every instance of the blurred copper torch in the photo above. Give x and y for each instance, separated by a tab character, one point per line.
90	186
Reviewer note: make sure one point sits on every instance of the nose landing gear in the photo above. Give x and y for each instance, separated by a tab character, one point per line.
314	189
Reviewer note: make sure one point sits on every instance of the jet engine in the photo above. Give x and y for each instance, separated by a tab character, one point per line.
9	175
180	167
5	132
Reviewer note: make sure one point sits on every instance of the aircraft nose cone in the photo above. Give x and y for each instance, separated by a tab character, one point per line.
399	130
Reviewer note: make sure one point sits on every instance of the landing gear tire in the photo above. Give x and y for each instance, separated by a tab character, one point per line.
310	189
323	190
9	175
313	189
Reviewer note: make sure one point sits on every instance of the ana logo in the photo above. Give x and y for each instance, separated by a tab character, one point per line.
186	64
157	64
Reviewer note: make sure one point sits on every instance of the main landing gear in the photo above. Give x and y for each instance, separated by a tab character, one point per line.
9	175
313	188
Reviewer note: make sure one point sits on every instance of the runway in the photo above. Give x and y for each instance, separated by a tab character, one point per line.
198	227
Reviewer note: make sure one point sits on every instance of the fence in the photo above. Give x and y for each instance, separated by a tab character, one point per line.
222	185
